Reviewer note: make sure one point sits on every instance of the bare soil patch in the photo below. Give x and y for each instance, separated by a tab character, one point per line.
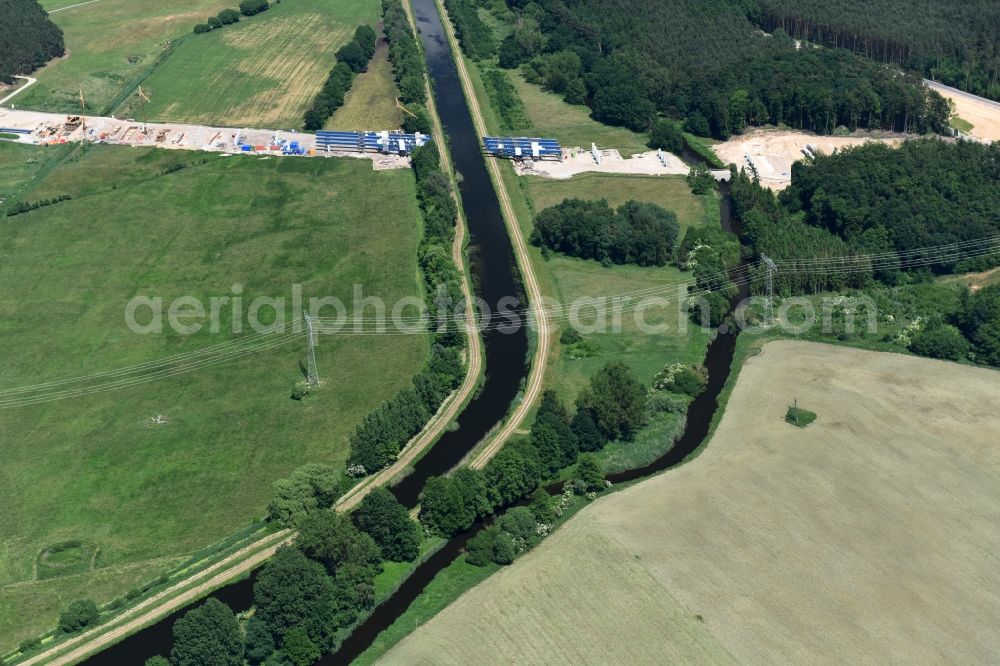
772	152
982	114
867	538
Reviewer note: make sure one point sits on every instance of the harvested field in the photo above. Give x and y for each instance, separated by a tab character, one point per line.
109	43
774	151
261	72
982	114
867	538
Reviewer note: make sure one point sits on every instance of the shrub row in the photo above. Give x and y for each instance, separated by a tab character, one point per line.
352	58
505	100
24	206
407	63
475	36
225	17
382	433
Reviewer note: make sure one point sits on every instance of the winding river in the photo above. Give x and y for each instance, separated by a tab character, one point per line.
496	277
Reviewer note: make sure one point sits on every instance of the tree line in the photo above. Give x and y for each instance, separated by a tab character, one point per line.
475	37
381	434
876	200
631	61
952	42
25	206
225	17
407	66
614	406
309	594
352	59
30	39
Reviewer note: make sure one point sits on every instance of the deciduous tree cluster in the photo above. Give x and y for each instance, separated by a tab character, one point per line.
636	233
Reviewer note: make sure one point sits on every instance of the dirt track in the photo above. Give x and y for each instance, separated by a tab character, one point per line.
869	537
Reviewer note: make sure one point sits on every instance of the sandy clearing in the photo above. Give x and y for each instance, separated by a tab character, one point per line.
867	538
984	114
774	151
579	160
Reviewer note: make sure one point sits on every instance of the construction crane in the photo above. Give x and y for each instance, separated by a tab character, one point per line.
143	98
399	105
83	111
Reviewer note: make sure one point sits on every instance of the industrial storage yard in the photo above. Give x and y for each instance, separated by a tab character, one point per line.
867	537
52	128
578	160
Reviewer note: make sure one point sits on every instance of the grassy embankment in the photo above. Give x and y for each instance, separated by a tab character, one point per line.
262	71
98	468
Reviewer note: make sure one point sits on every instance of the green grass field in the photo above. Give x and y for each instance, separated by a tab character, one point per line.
18	163
370	104
959	124
98	468
109	44
671	192
263	71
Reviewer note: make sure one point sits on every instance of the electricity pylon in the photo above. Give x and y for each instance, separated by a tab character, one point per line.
312	375
769	306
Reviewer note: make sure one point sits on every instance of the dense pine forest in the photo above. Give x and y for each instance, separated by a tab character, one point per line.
957	43
869	217
874	199
708	63
29	40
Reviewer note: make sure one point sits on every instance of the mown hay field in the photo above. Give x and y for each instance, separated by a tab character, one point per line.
261	72
109	43
163	468
867	537
370	104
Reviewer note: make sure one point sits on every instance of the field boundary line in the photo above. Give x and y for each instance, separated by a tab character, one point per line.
30	82
79	4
